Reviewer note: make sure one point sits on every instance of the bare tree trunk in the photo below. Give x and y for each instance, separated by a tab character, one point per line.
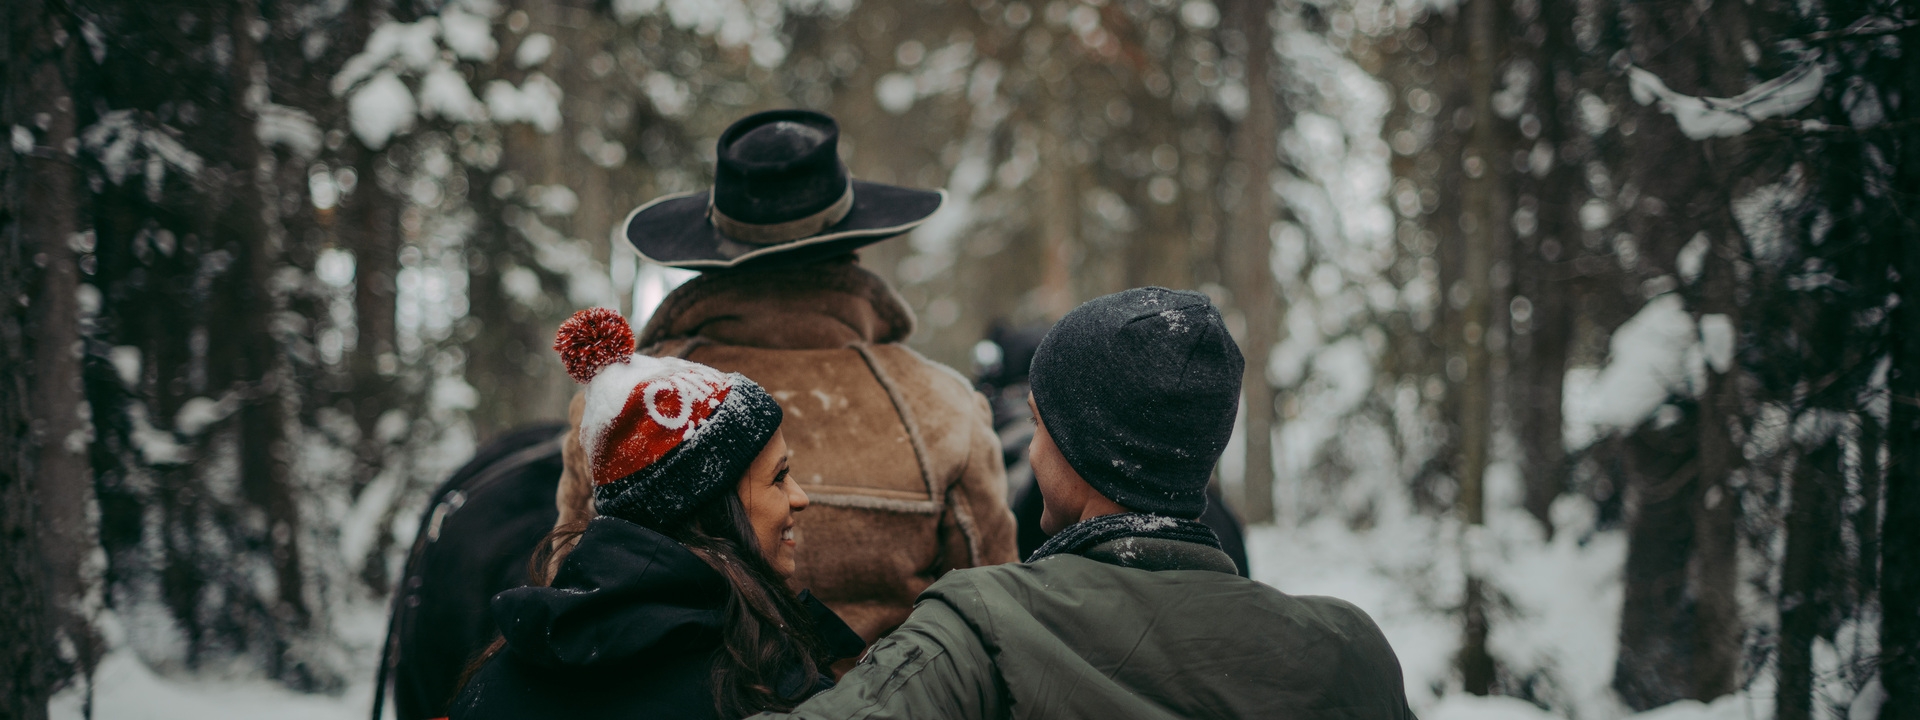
1540	423
519	373
254	352
372	228
1249	251
1866	518
62	478
1541	273
27	659
1059	208
28	663
1900	551
1655	651
1712	570
1685	186
1482	221
1807	574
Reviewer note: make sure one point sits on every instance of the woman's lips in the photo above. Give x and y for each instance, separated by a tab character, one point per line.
786	536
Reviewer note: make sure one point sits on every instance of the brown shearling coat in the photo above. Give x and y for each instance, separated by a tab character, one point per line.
897	452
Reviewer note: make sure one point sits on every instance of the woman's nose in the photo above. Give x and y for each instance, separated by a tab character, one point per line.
797	497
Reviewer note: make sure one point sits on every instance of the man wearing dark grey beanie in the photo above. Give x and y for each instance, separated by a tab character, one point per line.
1130	609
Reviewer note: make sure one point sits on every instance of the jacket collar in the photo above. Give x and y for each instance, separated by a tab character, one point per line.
1147	553
828	304
1080	537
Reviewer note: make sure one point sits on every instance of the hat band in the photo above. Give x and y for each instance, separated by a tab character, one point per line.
758	234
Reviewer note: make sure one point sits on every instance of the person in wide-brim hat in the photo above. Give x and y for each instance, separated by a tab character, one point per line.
896	451
780	191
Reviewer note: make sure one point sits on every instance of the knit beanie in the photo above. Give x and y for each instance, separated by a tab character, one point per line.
1139	389
663	436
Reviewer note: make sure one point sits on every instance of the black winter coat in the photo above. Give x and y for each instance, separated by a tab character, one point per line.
628	629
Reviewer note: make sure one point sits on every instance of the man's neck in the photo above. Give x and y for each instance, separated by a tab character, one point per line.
1100	506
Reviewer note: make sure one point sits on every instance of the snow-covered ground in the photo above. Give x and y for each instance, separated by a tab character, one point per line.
127	688
1563	619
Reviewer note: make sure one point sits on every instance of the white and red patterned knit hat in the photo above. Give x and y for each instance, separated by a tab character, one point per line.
664	436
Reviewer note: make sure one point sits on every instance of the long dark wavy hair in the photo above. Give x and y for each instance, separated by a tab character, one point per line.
767	634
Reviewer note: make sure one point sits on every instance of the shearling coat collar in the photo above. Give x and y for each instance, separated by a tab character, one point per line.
823	305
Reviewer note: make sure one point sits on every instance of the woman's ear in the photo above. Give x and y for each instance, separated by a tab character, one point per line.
574	497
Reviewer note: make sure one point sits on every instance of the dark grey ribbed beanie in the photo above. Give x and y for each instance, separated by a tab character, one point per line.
1139	390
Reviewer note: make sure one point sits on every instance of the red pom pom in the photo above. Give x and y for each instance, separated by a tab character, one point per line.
592	339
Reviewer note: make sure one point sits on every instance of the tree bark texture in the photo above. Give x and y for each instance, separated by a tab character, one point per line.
1686	187
1808	574
264	471
1483	220
28	662
521	375
1900	549
47	47
1541	274
1251	248
1656	651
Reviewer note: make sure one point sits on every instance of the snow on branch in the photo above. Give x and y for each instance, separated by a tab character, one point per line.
381	105
1870	26
119	140
412	44
536	102
753	24
1704	117
1660	353
381	109
290	127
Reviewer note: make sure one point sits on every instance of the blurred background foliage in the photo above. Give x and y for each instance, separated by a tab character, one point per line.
1622	280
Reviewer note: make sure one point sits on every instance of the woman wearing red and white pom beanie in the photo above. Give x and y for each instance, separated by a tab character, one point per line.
663	435
674	602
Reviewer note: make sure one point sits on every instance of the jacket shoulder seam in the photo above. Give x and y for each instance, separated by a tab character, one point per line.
907	419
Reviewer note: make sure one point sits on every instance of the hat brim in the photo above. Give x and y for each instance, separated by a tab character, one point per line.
674	230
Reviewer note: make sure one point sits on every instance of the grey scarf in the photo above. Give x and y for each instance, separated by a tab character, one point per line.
1088	534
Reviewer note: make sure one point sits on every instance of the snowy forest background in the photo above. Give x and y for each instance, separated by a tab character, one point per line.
1580	348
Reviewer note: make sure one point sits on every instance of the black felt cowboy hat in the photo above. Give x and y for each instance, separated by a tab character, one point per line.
779	191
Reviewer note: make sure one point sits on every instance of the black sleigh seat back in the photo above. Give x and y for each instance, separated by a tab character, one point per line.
474	541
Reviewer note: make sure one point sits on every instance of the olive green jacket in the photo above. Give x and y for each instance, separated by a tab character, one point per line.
1138	628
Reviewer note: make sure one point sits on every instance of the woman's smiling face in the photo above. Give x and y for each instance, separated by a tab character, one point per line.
771	499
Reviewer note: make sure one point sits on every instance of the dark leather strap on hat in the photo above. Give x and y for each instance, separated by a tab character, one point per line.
775	233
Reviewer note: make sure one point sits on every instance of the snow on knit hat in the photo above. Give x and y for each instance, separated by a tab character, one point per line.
663	436
1138	389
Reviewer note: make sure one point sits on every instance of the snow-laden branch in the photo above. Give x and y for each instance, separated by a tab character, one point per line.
1705	117
122	138
382	106
1660	353
1867	27
469	36
289	127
